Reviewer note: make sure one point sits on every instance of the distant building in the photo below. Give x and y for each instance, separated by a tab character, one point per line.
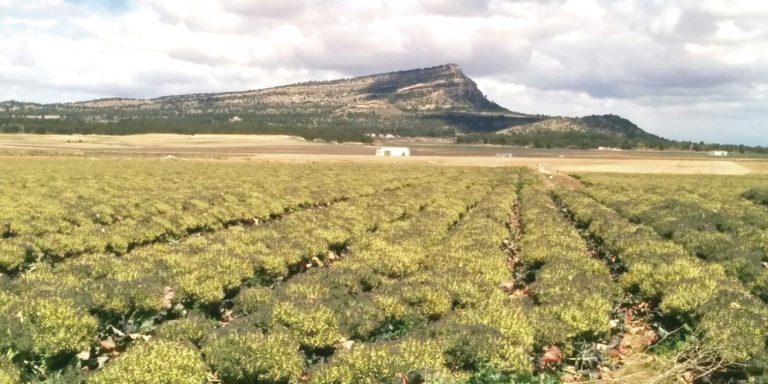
43	117
393	151
718	153
235	119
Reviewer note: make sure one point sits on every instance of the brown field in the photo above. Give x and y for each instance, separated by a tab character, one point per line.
292	149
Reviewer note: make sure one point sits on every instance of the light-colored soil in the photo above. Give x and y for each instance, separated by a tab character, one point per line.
553	165
756	166
650	166
154	140
293	149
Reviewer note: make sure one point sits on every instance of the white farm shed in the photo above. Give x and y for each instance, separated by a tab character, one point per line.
393	151
718	153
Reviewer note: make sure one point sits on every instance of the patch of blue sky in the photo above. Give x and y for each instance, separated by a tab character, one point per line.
112	6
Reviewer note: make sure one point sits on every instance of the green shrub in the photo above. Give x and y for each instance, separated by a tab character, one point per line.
757	369
367	316
48	326
252	357
760	286
253	299
306	291
510	320
682	283
314	326
467	347
467	293
759	196
191	329
380	362
12	255
271	268
9	373
397	261
490	375
155	362
736	323
589	317
429	301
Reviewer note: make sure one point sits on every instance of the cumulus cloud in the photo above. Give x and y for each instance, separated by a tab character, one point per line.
686	69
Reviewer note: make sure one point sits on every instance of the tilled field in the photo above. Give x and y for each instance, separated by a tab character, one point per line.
146	271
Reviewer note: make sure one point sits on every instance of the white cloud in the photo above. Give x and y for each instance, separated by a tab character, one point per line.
588	9
655	62
29	23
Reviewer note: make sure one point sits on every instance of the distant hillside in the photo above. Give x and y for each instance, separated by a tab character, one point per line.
439	101
576	132
608	124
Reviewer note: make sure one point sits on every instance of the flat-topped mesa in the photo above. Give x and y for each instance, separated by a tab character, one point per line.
444	87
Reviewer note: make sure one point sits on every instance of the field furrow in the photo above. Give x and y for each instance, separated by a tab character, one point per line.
348	273
686	290
710	224
571	288
47	222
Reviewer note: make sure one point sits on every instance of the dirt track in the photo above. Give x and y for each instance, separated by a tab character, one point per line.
555	165
291	149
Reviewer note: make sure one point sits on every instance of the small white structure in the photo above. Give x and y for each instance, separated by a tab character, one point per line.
235	119
718	153
43	117
393	151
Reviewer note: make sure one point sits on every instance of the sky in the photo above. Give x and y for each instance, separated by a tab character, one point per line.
683	69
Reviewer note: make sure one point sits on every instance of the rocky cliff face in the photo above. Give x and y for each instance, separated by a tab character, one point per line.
442	88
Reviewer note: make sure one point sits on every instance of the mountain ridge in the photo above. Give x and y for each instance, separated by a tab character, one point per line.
436	101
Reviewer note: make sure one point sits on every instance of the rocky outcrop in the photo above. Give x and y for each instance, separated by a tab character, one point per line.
436	89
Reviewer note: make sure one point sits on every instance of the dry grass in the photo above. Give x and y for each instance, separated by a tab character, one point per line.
292	149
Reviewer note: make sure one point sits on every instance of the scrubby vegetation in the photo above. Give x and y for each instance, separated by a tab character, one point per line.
373	274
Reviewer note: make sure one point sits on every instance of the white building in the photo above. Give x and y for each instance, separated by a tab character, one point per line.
393	151
718	153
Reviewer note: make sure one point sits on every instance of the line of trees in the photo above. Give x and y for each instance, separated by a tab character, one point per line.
357	128
588	140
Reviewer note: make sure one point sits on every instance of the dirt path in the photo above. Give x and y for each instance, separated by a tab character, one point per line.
553	165
655	166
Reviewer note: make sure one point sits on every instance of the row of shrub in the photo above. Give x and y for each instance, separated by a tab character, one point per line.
203	270
573	291
59	210
687	289
374	298
758	195
454	320
709	221
279	330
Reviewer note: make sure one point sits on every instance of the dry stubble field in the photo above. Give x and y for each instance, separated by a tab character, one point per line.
292	149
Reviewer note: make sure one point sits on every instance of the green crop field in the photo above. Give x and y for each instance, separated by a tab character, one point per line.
137	271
